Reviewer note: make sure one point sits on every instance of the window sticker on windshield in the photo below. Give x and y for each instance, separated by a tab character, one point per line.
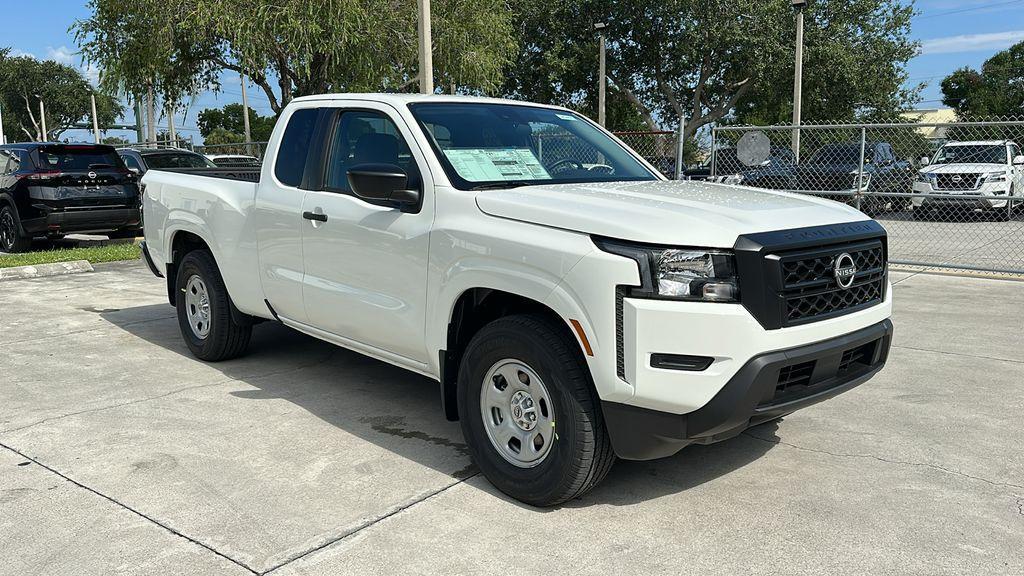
569	117
491	164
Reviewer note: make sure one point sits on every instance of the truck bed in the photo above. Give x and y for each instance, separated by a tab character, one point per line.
241	173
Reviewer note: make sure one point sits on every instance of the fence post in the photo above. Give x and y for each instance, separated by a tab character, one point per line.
714	153
679	149
860	168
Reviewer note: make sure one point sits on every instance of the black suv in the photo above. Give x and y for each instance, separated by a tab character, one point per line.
141	160
836	168
50	189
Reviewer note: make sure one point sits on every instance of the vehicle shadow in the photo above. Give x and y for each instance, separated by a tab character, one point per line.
399	411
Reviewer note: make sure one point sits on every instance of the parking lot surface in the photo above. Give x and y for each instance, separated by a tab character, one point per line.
121	454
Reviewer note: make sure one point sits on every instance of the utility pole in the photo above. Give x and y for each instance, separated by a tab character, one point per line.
139	127
601	80
95	119
426	50
245	110
798	74
150	114
170	127
44	135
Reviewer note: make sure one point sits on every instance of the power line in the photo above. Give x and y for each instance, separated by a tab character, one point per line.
971	9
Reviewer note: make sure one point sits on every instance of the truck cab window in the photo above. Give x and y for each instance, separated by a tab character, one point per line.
294	148
365	137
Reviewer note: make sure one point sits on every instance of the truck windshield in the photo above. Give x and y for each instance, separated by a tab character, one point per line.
971	154
484	145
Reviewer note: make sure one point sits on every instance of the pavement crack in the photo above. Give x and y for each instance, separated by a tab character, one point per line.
961	354
124	506
112	406
1020	506
885	460
368	524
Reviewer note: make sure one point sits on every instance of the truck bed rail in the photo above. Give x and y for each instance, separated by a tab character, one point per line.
240	173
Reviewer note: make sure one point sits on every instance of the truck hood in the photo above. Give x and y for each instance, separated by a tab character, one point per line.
684	213
965	168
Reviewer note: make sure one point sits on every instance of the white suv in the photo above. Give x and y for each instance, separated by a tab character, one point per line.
986	175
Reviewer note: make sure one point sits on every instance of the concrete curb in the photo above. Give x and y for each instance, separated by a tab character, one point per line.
44	270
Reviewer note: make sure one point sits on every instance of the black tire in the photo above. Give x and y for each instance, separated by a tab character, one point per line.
580	454
11	239
225	339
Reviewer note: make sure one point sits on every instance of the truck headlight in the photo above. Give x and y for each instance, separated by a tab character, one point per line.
995	177
680	273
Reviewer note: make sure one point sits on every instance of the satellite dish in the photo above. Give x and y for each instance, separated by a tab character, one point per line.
753	148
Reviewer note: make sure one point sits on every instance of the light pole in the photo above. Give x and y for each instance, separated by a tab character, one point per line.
798	74
601	81
3	139
426	53
245	111
95	119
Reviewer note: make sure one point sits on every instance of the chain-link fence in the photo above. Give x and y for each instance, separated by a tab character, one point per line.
657	147
950	195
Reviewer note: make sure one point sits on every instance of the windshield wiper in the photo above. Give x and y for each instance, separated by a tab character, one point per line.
501	185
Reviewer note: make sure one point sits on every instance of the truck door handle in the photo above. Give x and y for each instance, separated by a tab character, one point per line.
315	216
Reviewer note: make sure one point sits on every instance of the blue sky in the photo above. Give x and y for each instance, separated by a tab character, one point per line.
954	33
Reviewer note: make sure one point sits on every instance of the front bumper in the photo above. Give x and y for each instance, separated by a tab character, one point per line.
765	387
985	197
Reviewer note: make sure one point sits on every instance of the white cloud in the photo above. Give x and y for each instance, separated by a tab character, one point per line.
972	42
15	53
61	54
92	73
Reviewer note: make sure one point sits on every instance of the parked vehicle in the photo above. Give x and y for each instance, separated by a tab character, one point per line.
51	189
141	160
837	168
572	310
234	160
962	174
775	173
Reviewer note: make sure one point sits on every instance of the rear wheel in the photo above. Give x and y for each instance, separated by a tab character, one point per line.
11	239
529	413
204	310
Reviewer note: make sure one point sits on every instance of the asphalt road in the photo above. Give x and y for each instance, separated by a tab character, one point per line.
120	454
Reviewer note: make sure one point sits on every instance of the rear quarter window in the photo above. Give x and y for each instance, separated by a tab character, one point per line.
294	148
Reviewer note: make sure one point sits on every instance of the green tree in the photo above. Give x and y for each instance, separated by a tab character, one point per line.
230	118
996	91
114	141
716	60
62	88
221	135
293	48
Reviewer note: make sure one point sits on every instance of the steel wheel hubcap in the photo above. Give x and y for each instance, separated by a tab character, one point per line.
197	306
517	413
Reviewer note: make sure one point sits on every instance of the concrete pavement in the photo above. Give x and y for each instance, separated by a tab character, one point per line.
121	454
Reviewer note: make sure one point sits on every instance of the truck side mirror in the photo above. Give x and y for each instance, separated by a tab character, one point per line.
1018	160
925	160
382	182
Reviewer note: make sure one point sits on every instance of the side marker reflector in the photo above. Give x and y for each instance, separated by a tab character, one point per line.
583	336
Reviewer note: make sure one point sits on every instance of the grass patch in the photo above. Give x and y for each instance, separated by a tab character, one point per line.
94	254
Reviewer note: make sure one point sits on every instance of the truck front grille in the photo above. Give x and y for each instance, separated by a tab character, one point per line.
957	181
811	291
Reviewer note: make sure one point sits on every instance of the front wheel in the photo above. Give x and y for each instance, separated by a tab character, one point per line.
204	310
529	412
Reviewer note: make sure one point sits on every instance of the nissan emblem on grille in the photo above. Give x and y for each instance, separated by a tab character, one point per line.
92	175
845	270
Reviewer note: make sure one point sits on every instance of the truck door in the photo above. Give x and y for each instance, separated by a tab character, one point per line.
366	262
278	218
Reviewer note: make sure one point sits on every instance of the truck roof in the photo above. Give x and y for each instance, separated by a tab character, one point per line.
403	99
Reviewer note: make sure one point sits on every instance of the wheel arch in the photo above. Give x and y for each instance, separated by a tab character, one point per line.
473	309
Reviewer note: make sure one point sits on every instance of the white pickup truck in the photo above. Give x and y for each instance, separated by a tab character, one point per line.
572	303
